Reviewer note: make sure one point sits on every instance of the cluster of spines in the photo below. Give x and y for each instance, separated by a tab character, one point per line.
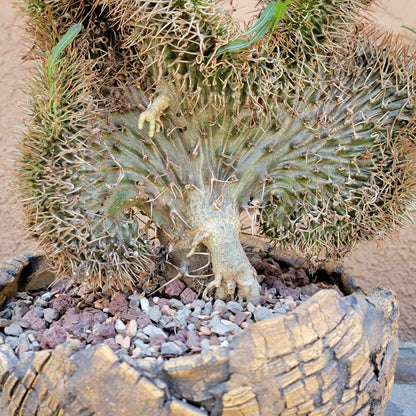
63	190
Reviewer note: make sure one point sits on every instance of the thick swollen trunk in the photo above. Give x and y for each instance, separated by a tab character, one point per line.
218	228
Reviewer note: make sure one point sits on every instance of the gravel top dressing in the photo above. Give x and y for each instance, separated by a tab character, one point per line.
176	323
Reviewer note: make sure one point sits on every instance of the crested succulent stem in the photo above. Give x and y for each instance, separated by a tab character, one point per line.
218	228
313	130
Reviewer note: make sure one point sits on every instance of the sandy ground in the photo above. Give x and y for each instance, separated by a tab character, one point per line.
393	265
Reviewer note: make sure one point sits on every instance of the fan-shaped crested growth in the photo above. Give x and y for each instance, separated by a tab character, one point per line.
313	133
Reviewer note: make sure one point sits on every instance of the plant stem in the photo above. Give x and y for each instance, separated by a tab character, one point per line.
218	228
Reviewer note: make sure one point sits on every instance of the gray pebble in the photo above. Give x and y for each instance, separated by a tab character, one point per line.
175	303
171	348
151	331
20	308
24	339
7	314
281	310
232	327
250	307
218	327
50	315
220	306
138	343
183	314
39	311
12	341
106	310
122	352
135	296
35	346
234	307
41	303
172	324
155	313
198	303
191	327
141	336
262	313
120	327
13	330
134	303
205	344
197	311
24	296
208	308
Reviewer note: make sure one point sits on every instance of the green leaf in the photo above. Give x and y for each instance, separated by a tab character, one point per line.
409	28
268	21
56	53
279	11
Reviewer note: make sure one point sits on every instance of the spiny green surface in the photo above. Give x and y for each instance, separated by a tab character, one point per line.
312	131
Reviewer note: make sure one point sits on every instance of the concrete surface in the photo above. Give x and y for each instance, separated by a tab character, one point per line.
403	397
402	401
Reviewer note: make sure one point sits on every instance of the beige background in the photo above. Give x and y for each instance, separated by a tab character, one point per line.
393	265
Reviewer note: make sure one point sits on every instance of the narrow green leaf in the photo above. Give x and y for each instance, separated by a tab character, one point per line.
264	19
409	28
267	21
57	50
279	12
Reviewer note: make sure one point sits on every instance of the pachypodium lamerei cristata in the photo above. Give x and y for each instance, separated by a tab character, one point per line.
314	130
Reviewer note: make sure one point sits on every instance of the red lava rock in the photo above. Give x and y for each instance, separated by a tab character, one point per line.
302	278
119	304
157	340
111	342
286	291
32	318
53	337
105	330
143	320
63	302
174	288
179	336
240	317
267	266
76	321
214	340
162	302
295	278
188	296
192	339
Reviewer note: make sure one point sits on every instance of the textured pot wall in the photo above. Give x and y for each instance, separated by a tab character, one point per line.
393	265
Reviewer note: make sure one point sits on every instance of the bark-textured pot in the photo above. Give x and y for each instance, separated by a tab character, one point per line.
332	355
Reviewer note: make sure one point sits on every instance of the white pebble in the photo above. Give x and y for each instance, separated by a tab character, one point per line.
144	304
46	296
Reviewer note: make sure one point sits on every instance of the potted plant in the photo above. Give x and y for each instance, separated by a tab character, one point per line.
162	117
